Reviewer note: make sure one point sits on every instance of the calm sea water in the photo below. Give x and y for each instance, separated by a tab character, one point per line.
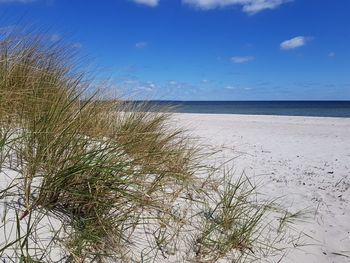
288	108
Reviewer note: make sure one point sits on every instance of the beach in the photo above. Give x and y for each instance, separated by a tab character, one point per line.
303	162
300	163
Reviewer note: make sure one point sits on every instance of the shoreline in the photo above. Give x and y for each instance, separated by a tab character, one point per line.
337	109
260	115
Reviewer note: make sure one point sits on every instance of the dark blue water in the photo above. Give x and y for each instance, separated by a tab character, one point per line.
287	108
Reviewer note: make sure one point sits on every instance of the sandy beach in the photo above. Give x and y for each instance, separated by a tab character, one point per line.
304	161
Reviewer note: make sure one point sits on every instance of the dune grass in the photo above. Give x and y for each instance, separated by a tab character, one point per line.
90	180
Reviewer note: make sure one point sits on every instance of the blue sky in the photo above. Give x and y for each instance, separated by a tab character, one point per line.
203	49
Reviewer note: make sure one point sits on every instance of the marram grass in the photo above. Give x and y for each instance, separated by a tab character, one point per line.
90	180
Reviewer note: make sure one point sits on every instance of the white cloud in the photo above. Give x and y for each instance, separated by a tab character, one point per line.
172	82
141	45
130	81
145	88
151	84
229	87
293	43
151	3
259	5
248	6
241	60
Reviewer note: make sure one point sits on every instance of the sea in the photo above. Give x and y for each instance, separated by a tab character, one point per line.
284	108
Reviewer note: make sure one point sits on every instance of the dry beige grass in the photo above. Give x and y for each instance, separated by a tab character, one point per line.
123	185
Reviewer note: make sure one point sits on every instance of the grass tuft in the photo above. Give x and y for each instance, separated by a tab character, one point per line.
90	180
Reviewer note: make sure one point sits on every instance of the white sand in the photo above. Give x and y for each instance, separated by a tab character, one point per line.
304	159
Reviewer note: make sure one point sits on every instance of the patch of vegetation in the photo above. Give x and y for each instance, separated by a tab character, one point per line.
90	180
